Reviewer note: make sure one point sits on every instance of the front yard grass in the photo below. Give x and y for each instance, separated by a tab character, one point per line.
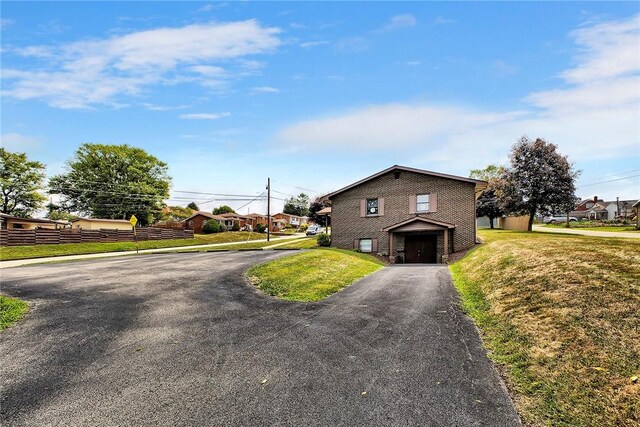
11	310
38	251
313	275
305	243
559	315
591	227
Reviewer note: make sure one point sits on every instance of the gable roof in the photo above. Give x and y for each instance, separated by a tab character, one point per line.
426	221
34	220
480	185
119	221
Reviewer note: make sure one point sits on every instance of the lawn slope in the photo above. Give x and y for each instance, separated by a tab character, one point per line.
11	310
312	275
559	314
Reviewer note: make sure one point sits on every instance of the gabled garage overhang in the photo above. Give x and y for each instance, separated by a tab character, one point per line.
419	223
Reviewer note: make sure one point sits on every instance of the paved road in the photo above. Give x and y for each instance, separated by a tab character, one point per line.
182	339
611	234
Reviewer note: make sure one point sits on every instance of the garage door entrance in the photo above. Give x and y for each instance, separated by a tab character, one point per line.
421	249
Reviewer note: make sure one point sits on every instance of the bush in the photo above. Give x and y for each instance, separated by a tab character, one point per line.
261	228
303	227
212	226
324	240
235	226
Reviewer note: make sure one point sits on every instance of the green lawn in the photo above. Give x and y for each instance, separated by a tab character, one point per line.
37	251
306	243
313	275
11	310
559	315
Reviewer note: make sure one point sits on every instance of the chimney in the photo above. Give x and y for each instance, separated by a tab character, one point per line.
595	199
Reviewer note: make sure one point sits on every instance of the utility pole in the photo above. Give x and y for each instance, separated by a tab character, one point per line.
617	207
268	209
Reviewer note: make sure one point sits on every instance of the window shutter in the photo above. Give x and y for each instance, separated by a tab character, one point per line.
433	202
356	243
363	208
412	203
381	206
374	246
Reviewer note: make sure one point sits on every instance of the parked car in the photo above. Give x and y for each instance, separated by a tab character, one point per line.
315	229
557	218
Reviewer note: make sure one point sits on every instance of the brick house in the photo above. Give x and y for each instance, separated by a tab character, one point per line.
197	220
409	215
281	220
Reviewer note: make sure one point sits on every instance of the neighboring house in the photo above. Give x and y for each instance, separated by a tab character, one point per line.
410	215
98	224
598	209
197	220
233	218
254	219
292	220
636	211
10	222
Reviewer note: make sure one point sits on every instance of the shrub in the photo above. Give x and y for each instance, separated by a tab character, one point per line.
324	240
211	226
261	228
303	227
235	226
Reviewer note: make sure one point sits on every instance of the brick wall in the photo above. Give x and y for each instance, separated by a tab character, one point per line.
455	205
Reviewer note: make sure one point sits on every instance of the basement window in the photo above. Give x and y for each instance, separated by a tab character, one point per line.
366	245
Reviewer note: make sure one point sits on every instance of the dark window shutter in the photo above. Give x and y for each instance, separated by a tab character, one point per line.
433	202
412	203
363	208
374	245
356	243
381	206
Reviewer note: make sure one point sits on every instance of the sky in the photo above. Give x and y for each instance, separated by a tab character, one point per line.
318	95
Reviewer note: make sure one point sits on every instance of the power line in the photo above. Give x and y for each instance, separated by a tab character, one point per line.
611	180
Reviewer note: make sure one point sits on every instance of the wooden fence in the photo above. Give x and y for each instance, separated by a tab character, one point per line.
53	237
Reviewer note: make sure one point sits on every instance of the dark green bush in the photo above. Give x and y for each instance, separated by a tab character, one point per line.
324	239
235	226
261	228
211	226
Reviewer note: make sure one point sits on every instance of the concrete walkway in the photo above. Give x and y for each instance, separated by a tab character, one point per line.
29	261
628	234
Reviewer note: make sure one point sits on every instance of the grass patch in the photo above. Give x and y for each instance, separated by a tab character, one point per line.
559	314
38	251
313	275
594	226
11	310
306	243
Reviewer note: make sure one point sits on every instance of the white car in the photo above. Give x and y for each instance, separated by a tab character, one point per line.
557	218
315	229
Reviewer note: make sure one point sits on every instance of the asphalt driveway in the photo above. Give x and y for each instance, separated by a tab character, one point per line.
182	339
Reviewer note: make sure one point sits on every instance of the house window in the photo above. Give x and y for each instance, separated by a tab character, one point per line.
372	206
18	226
366	245
422	203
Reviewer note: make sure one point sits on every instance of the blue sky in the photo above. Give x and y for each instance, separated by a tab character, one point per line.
317	95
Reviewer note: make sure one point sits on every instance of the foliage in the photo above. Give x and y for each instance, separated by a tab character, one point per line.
312	275
261	228
20	180
212	226
114	182
487	203
176	213
55	213
303	227
235	226
297	205
223	210
324	240
540	180
317	205
558	313
193	206
11	310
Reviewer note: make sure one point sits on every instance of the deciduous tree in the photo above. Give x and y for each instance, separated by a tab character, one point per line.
539	180
113	181
193	206
297	205
223	209
487	203
20	180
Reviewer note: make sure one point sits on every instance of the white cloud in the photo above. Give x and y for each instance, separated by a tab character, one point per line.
19	142
400	21
583	117
88	73
314	43
154	107
5	23
204	116
265	89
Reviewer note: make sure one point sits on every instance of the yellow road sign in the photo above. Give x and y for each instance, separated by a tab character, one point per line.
133	220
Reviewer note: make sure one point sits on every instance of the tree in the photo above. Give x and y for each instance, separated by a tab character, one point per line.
175	213
113	182
487	203
540	180
193	206
317	205
20	180
223	209
297	205
56	213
